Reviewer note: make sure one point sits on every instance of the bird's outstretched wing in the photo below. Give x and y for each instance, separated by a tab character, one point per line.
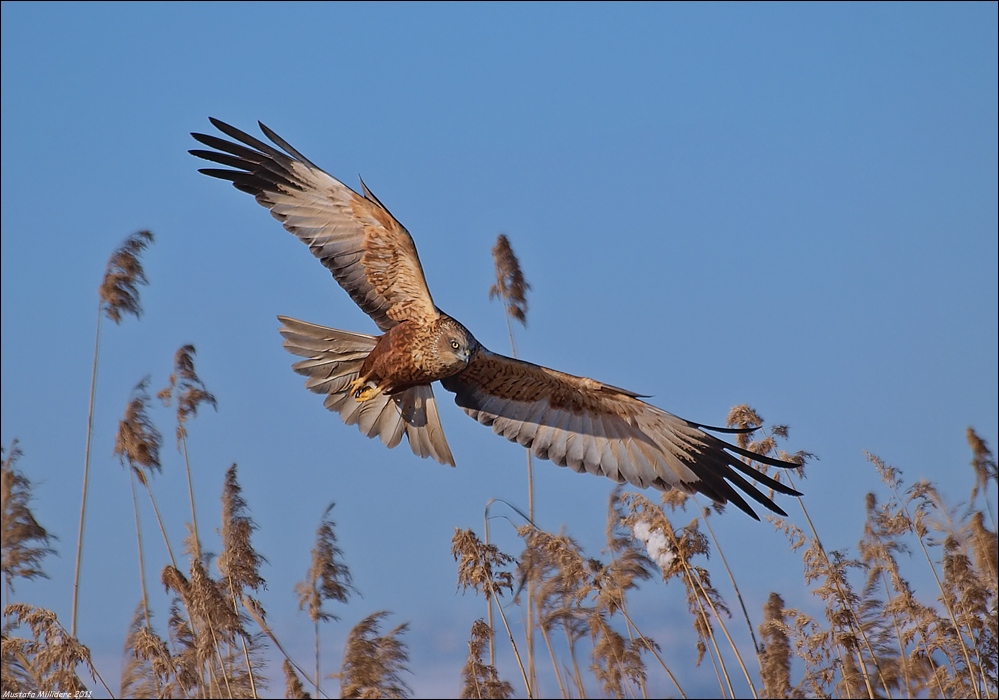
600	429
370	254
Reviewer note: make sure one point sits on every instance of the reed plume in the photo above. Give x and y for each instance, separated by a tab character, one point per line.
510	284
674	550
480	566
479	679
842	605
966	674
984	547
138	441
187	659
187	387
985	468
553	603
137	444
25	541
206	632
328	577
293	688
238	562
216	653
372	662
44	664
775	654
146	666
119	290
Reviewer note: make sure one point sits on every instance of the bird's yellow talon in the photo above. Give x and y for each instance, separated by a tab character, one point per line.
364	393
362	390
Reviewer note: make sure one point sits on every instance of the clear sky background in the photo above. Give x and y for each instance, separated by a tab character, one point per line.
790	206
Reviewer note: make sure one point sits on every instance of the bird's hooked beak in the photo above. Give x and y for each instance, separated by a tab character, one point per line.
468	353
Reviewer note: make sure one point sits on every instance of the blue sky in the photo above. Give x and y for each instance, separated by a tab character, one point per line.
790	206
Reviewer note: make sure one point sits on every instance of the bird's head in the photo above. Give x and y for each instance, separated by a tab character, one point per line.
455	345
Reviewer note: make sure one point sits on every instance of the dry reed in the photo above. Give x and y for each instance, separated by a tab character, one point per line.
293	686
118	296
328	579
372	662
511	287
190	393
44	664
480	679
775	654
25	541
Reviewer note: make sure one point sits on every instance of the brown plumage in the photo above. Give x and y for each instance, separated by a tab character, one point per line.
383	384
411	353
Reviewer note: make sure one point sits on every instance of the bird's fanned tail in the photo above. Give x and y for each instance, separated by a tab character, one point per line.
333	360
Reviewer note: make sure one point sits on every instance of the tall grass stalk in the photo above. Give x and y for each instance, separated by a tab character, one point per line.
928	499
118	296
256	613
189	391
489	599
511	288
328	579
697	596
86	472
142	565
721	623
705	515
481	680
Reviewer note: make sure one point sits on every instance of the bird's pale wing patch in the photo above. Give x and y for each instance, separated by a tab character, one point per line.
597	428
368	252
332	360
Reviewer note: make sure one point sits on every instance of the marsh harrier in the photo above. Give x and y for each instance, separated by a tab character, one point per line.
382	383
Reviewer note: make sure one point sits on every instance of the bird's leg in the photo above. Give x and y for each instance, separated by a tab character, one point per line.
362	390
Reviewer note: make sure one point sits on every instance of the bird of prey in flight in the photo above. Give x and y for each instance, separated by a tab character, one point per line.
383	384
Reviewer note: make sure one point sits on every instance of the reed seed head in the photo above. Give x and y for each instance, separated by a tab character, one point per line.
138	441
119	291
510	285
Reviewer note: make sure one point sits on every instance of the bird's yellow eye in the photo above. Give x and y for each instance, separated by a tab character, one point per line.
454	344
